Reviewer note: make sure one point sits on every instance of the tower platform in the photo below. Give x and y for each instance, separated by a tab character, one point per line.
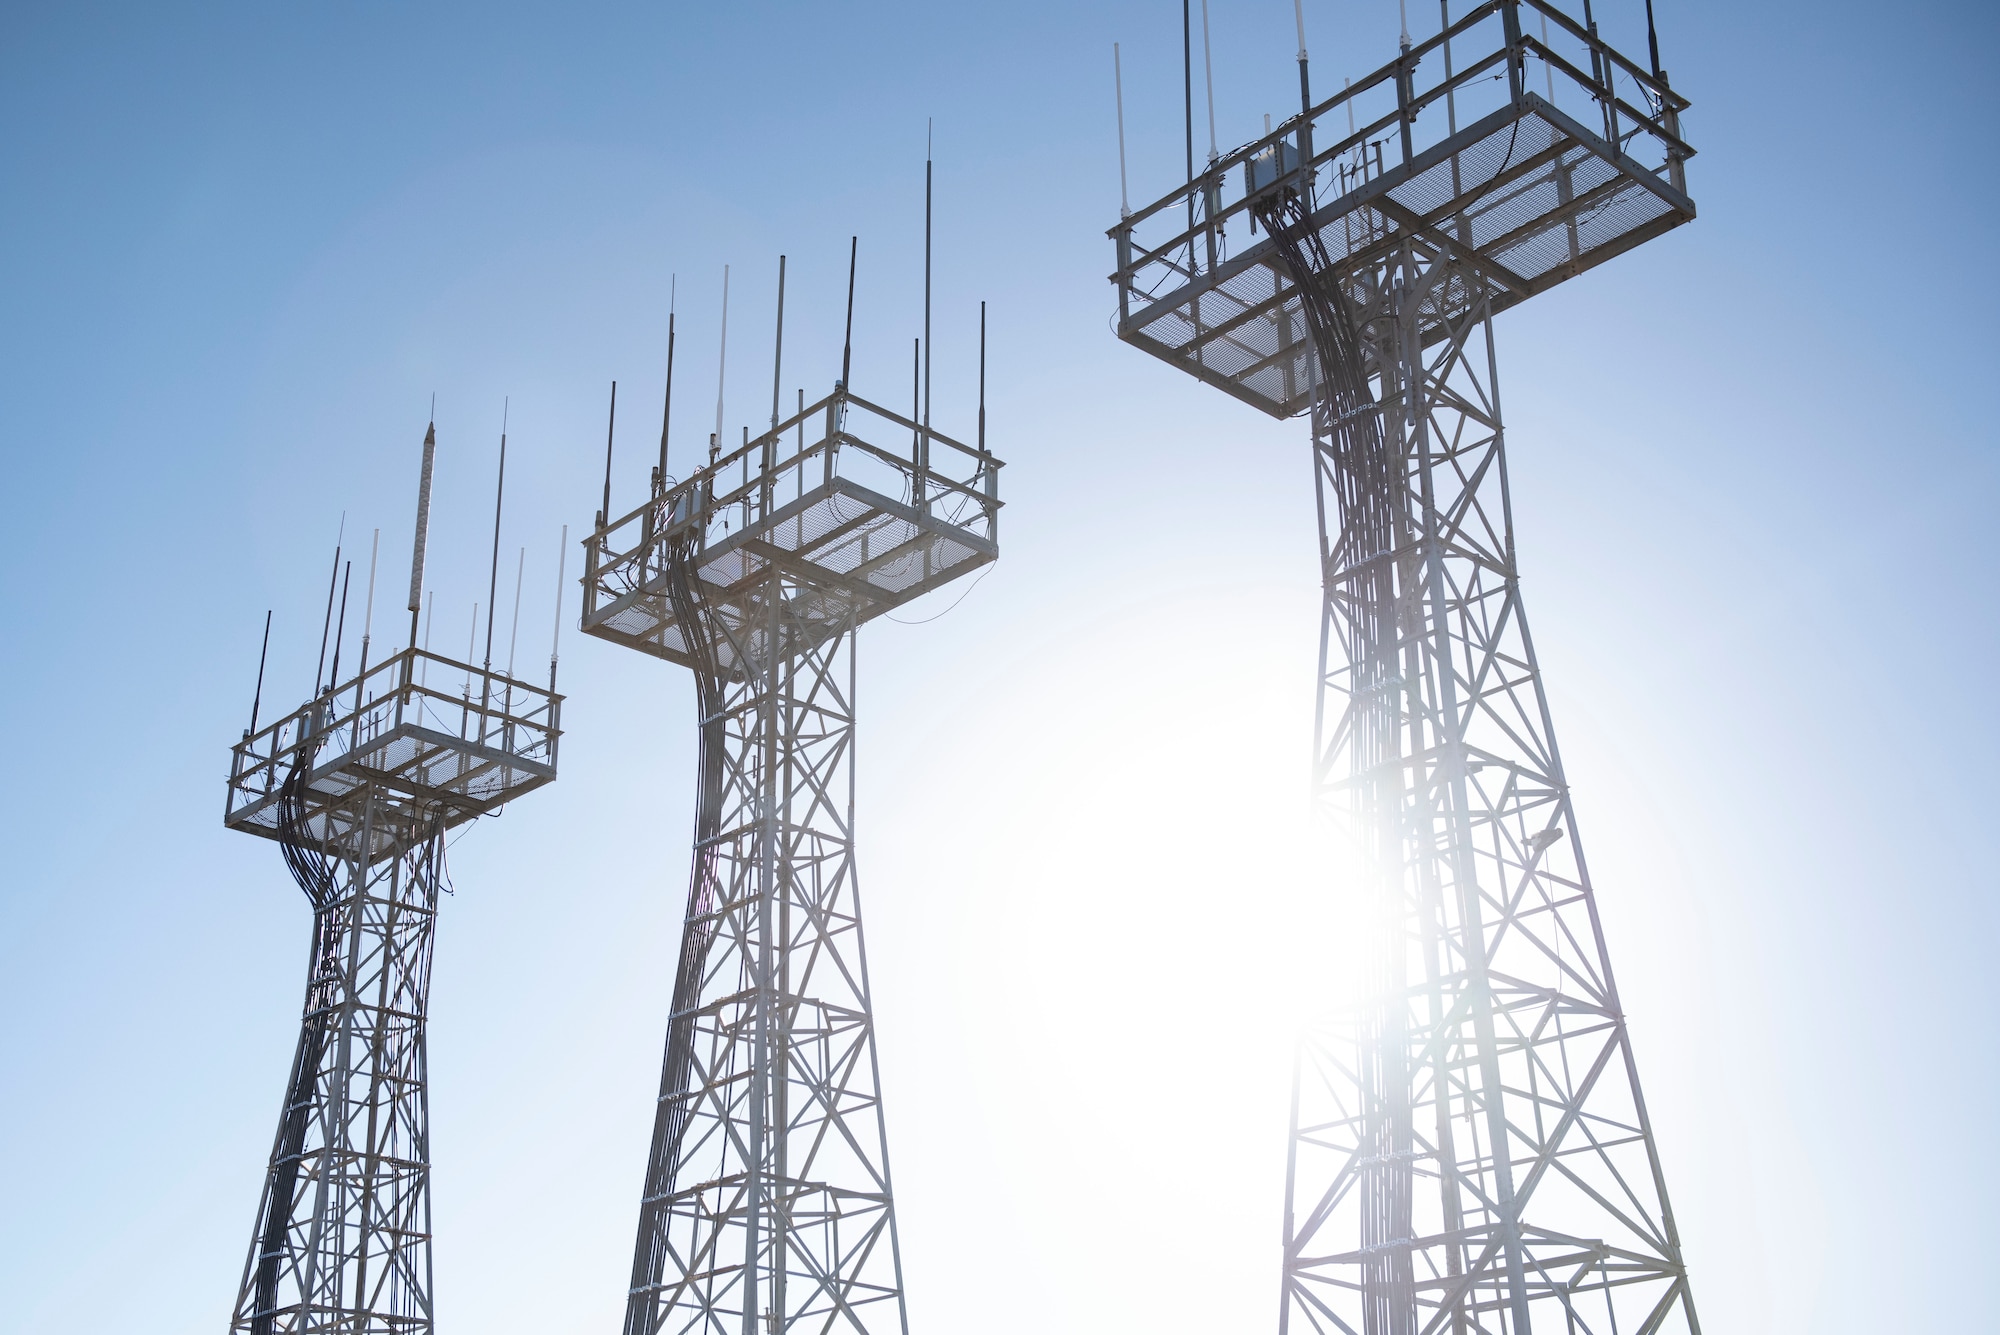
443	739
1509	144
865	527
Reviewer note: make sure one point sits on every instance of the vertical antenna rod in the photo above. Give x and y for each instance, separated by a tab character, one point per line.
493	572
927	291
1187	98
1118	91
667	413
562	566
610	426
368	614
326	623
982	377
340	629
847	342
257	700
1209	74
1305	88
721	359
778	353
423	529
514	635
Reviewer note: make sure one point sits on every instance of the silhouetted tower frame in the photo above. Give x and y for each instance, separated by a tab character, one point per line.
1469	1150
768	1205
360	786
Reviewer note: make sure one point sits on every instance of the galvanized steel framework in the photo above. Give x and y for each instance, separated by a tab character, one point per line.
359	787
767	1204
1470	1150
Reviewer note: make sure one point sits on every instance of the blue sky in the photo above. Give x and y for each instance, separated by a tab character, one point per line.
242	246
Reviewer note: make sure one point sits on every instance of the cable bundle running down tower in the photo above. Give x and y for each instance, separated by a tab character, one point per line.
360	786
1469	1149
767	1204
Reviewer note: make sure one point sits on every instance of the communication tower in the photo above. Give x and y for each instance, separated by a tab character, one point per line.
1469	1149
359	787
767	1204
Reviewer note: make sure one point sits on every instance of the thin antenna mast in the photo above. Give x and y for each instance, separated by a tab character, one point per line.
326	623
847	343
368	615
1305	88
257	700
604	514
493	572
514	635
423	523
340	630
1187	106
667	413
778	353
1118	91
926	448
562	566
1187	95
721	363
1208	78
982	377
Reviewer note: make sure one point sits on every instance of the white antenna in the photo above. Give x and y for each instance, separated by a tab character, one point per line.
368	615
1208	73
1299	17
1402	11
722	358
1118	88
520	569
1548	70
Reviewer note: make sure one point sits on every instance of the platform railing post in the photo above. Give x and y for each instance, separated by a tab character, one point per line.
1124	276
1676	165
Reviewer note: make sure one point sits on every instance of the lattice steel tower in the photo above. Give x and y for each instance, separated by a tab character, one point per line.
359	787
1469	1148
767	1204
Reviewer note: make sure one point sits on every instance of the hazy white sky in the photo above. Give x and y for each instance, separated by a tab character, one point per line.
1753	475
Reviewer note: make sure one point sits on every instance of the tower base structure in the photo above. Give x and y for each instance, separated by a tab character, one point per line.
360	787
767	1205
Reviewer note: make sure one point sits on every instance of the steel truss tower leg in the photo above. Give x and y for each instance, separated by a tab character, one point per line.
1469	1147
767	1204
343	1237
